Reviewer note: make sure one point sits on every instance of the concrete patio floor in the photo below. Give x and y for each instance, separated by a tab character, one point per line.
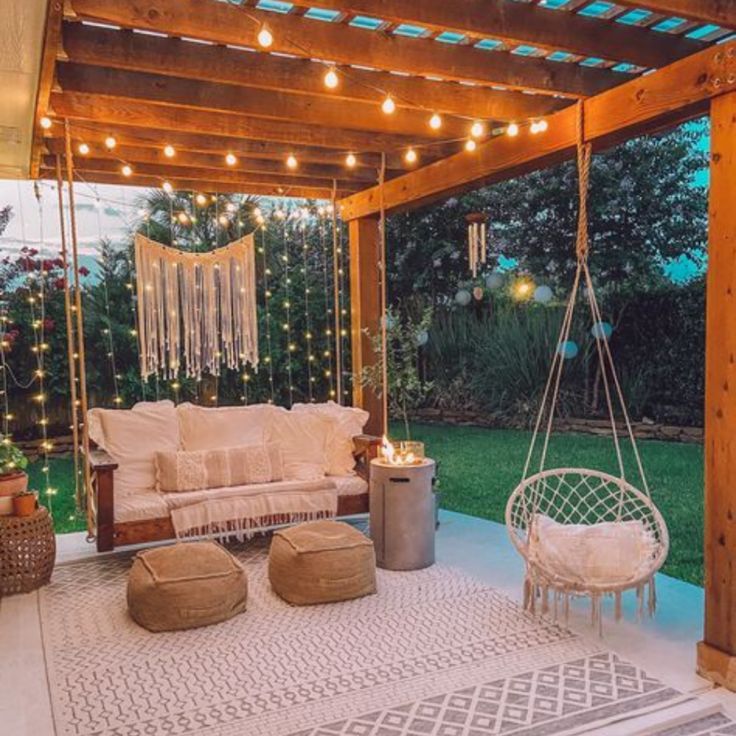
663	645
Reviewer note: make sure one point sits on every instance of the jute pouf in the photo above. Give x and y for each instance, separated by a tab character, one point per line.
184	586
321	562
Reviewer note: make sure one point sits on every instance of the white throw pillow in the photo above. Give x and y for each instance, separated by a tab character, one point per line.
133	436
213	428
347	422
608	552
303	438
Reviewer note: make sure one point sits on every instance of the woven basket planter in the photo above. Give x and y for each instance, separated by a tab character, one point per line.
27	552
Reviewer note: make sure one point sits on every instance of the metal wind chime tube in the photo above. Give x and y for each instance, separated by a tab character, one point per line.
477	241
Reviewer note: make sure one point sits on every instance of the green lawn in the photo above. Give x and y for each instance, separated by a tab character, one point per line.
480	467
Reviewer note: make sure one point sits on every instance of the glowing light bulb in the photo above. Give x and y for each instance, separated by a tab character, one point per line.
166	186
388	105
265	37
169	151
435	122
224	221
538	126
477	129
230	159
331	79
126	170
291	161
470	145
512	129
45	122
410	156
83	149
183	218
201	199
110	143
350	160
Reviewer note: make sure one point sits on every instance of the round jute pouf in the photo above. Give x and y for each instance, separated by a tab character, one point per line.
27	552
321	562
185	585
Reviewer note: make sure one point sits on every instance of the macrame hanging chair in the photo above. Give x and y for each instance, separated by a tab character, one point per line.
583	532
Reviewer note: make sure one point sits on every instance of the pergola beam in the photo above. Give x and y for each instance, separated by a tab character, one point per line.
524	23
672	95
257	103
223	23
179	58
719	12
150	116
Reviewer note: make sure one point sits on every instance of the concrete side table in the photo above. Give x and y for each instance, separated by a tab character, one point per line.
27	552
402	510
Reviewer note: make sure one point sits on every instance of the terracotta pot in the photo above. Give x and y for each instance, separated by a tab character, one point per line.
24	505
12	484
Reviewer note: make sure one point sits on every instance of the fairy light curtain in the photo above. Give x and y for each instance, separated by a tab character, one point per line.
196	310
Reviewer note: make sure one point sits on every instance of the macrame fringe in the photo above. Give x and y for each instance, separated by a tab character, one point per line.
196	311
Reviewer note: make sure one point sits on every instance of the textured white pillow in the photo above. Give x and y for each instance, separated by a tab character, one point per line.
608	552
133	436
213	428
347	422
303	438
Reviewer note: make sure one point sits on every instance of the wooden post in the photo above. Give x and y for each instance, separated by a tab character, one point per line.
717	652
365	313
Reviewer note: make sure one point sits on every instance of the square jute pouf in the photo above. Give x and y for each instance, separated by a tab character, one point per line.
321	562
185	585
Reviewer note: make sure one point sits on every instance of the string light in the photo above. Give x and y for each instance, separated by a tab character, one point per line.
110	143
512	130
307	319
265	37
287	313
331	79
410	156
538	126
291	161
388	105
328	308
126	170
201	199
169	151
45	122
477	129
350	160
166	186
231	159
470	145
435	122
83	148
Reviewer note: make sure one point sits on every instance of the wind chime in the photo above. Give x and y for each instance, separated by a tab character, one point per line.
477	242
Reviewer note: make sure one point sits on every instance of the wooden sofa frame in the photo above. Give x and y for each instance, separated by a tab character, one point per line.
110	534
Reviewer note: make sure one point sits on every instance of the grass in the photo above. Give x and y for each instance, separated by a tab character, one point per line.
479	468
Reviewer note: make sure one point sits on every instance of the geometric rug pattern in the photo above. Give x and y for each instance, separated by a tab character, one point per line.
433	653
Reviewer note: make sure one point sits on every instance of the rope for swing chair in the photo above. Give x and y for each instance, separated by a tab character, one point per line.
609	376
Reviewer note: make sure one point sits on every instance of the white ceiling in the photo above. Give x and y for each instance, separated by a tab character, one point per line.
21	44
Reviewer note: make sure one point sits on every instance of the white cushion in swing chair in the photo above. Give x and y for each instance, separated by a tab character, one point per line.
607	553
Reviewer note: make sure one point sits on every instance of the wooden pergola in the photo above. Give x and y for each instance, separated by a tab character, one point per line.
193	75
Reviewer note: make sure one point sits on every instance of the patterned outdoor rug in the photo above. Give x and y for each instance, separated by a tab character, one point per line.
435	652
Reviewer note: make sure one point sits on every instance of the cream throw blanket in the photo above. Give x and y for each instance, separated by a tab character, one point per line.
242	510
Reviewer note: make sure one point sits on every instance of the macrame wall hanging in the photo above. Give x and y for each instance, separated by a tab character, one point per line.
477	243
196	311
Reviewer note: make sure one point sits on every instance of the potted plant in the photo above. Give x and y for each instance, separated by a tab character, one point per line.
24	503
13	464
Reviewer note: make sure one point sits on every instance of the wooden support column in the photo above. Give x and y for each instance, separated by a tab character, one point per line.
365	313
717	652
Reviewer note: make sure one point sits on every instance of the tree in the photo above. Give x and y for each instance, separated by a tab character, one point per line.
646	207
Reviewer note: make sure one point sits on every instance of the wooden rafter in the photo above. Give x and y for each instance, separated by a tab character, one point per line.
113	110
197	185
257	103
524	23
175	57
186	159
222	23
672	95
719	12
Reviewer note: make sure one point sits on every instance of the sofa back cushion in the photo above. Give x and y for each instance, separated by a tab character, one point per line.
197	470
304	439
212	428
346	423
132	437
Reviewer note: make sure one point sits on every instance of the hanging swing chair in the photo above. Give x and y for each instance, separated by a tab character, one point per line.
583	532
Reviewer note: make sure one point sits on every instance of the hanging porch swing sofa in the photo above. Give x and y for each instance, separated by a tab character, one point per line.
160	471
